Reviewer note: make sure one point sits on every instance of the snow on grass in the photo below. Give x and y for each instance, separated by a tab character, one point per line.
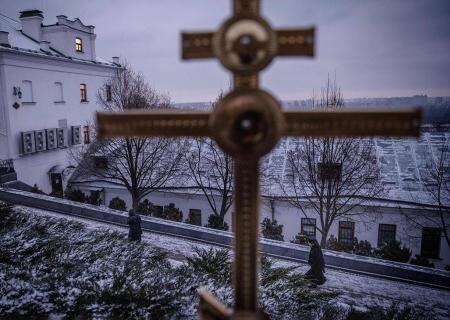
53	266
103	271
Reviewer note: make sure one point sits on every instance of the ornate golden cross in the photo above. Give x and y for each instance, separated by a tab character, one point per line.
247	123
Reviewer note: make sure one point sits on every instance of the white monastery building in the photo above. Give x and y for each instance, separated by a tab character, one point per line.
49	78
405	213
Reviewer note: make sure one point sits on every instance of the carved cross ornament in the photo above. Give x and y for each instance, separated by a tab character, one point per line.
247	123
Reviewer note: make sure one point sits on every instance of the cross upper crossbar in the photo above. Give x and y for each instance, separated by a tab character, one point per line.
349	123
247	123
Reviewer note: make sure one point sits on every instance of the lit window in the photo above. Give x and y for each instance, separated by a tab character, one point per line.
346	232
309	227
431	243
78	45
86	139
83	93
386	233
108	93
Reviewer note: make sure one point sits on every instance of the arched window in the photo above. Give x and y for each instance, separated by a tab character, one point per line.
27	91
59	97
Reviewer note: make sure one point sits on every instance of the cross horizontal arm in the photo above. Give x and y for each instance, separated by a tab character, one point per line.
353	123
152	123
196	45
293	42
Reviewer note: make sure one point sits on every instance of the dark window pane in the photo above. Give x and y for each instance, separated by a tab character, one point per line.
431	242
346	232
195	217
108	93
308	227
386	233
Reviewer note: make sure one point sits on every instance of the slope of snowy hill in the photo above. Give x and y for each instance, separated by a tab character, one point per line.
344	289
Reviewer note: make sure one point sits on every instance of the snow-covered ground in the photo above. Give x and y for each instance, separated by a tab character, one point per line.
356	290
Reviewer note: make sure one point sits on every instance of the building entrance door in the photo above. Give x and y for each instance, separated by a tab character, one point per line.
57	186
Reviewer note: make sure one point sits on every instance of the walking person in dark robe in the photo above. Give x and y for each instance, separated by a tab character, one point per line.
317	263
134	222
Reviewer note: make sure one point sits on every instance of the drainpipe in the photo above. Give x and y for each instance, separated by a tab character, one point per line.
272	208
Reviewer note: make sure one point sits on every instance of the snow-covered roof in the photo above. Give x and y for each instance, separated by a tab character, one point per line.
19	42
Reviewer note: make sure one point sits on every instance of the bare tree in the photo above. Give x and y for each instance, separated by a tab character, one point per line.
440	190
330	177
211	170
436	183
141	165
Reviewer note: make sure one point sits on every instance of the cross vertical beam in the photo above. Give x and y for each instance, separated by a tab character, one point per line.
246	244
246	7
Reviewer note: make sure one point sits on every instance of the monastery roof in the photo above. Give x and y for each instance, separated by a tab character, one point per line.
19	42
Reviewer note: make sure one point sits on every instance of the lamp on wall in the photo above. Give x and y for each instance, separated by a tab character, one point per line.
17	92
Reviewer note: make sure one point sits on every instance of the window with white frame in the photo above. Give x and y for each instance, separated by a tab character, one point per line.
27	91
78	44
59	97
83	92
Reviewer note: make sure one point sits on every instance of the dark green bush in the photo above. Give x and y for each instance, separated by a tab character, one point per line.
363	247
333	244
118	204
94	198
172	213
75	195
216	222
422	261
300	238
36	189
394	312
272	230
146	208
194	219
394	251
213	263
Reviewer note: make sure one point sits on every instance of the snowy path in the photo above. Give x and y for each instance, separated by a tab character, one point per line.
359	291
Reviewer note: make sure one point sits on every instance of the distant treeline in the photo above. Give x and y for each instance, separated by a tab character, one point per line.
432	114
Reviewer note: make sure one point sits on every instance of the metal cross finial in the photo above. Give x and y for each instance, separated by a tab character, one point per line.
247	123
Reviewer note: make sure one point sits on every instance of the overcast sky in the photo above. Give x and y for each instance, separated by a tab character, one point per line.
376	48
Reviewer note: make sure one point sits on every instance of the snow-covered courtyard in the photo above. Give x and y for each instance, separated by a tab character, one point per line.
65	264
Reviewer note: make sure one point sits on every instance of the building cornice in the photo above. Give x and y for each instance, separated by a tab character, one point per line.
41	55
